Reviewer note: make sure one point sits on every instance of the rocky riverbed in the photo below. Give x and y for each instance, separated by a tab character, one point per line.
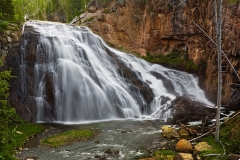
121	139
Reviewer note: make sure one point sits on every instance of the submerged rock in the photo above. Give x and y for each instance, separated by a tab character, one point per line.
100	157
96	141
112	151
124	131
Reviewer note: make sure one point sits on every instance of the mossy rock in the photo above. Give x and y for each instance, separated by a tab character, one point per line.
69	137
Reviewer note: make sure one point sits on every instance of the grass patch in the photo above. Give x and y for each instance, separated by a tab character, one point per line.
230	135
164	154
232	1
69	137
175	58
216	149
16	135
230	138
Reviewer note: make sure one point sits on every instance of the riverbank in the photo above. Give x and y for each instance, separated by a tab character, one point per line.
129	139
122	139
16	135
205	147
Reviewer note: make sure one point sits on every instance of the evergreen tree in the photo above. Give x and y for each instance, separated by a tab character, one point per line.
6	112
7	9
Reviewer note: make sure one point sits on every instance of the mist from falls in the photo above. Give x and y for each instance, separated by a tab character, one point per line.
78	78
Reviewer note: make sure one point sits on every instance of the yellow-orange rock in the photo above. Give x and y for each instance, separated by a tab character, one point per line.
169	132
183	156
184	146
202	146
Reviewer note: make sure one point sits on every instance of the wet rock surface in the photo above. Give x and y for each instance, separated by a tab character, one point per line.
22	90
138	84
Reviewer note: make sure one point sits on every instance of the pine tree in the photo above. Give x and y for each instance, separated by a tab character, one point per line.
7	10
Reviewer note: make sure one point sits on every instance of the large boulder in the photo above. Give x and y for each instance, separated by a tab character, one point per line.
184	145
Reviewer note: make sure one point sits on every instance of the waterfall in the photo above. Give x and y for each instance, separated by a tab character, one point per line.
77	77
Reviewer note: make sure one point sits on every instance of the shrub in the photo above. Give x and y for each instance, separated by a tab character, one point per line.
3	26
175	58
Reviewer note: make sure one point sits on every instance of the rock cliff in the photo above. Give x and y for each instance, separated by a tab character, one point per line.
160	26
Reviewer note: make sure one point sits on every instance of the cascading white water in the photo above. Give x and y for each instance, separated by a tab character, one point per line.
76	80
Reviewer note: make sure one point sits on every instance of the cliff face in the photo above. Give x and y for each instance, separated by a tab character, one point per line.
159	26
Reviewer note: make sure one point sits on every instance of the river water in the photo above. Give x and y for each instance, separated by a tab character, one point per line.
131	138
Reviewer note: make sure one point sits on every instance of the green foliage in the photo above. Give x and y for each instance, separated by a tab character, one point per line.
6	111
230	134
232	1
35	9
164	154
6	9
216	147
16	134
230	138
68	137
13	130
41	9
175	58
3	26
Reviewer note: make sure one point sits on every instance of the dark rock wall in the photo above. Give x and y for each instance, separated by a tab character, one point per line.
21	87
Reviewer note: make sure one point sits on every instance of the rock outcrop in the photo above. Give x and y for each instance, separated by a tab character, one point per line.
161	26
10	55
21	90
9	42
